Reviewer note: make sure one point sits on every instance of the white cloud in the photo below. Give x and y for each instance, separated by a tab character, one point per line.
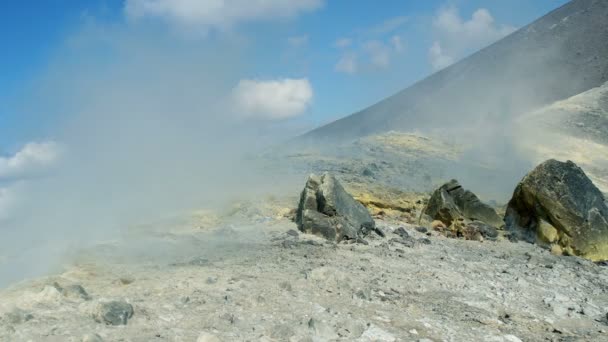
388	26
298	41
273	99
397	44
343	43
31	159
379	53
456	37
204	15
347	64
438	59
374	45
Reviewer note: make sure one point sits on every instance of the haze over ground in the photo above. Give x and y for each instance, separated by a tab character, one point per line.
133	109
157	182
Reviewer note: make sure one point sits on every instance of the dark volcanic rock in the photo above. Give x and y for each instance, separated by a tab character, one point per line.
113	313
473	230
557	203
73	291
402	232
451	202
326	209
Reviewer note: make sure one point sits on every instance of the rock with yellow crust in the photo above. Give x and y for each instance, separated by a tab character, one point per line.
557	203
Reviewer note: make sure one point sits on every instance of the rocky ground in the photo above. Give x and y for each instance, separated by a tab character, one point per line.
248	275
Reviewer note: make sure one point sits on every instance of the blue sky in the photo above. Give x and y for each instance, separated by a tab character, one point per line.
351	53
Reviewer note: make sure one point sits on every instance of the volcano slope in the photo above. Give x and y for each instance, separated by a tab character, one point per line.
562	54
502	108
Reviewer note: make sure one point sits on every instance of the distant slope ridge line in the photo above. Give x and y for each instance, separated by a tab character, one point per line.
562	54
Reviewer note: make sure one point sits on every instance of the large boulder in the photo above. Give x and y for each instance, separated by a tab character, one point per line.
557	204
326	209
451	203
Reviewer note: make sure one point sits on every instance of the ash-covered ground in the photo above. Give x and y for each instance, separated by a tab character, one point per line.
246	274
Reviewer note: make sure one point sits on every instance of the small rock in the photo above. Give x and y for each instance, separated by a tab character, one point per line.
126	280
438	225
511	338
402	232
292	232
92	338
113	313
211	280
379	231
374	333
546	232
207	337
289	243
365	294
322	330
285	286
556	250
421	229
409	242
478	231
424	241
73	291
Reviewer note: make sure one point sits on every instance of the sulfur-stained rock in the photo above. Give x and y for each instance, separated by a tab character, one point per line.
327	210
451	202
559	195
438	225
546	232
556	250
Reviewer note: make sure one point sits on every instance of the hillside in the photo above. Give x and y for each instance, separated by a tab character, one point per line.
562	54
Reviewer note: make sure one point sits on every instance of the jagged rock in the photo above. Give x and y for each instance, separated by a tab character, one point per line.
72	291
113	313
423	241
327	210
451	202
402	233
407	242
557	203
421	229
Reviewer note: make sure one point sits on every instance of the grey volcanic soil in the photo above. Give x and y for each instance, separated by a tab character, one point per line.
247	279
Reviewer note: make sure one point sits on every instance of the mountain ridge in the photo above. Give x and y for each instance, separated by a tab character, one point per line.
557	56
